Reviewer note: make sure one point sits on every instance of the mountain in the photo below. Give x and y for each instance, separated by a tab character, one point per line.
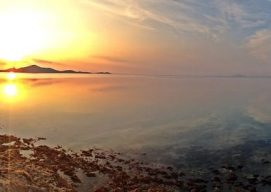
38	69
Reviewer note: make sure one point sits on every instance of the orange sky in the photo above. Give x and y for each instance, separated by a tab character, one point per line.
144	36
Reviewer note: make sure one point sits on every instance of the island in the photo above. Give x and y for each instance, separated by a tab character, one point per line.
38	69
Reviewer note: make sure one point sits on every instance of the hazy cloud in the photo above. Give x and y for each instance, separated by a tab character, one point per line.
203	26
110	58
42	61
259	45
2	62
179	16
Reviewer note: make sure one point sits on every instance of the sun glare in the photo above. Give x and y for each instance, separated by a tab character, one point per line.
23	32
11	76
52	29
10	90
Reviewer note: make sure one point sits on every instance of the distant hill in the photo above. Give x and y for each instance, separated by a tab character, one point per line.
38	69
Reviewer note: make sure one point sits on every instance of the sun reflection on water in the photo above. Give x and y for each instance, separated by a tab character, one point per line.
12	89
11	76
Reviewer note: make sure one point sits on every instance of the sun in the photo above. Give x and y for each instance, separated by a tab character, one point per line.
23	32
51	29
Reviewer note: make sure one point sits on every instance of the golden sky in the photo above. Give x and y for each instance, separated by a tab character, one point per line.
143	36
53	30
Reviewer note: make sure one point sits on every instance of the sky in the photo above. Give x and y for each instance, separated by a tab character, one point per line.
192	37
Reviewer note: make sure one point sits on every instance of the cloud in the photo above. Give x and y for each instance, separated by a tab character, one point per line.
212	18
131	10
259	45
189	15
2	62
110	58
236	31
178	16
231	10
42	61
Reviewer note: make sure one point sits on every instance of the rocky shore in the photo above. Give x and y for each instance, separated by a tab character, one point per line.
26	165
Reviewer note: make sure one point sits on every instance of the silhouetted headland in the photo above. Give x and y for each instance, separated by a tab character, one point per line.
38	69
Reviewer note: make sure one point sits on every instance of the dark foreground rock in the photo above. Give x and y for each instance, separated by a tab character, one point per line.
27	166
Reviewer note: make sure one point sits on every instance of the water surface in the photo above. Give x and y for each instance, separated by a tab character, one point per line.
159	115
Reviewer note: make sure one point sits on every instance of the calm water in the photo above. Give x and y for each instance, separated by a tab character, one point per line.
137	113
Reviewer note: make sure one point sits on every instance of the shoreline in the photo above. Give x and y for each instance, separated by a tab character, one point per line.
26	165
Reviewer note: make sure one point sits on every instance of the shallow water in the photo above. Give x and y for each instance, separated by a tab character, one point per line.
158	115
